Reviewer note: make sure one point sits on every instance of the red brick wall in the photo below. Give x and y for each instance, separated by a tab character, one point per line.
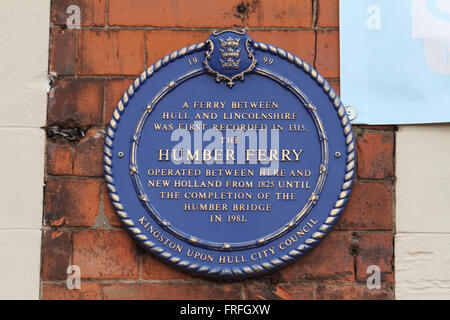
92	68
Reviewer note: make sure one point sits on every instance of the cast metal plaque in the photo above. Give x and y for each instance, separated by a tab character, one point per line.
229	158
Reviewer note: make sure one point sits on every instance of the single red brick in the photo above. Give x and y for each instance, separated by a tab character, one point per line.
283	291
370	207
328	13
71	201
160	43
171	291
327	59
105	254
282	13
331	259
111	52
59	158
375	249
92	12
59	291
353	292
63	51
299	43
109	211
154	269
88	157
375	155
56	248
114	90
193	13
77	100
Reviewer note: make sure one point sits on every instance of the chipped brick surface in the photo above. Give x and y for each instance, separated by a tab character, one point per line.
56	254
330	260
376	155
105	254
78	100
71	201
370	207
375	249
111	52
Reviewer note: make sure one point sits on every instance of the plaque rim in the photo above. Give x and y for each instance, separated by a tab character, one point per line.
246	270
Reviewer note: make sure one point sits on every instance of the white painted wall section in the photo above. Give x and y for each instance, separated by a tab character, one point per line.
422	242
23	90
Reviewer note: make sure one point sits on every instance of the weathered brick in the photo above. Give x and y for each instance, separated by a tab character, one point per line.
375	155
59	158
111	52
88	155
114	90
327	60
171	291
71	201
109	211
154	269
160	43
299	43
59	291
282	13
375	249
56	248
105	254
77	100
331	259
328	13
353	292
63	51
92	12
193	13
370	207
282	291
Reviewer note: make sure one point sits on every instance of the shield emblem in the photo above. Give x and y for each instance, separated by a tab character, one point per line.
230	55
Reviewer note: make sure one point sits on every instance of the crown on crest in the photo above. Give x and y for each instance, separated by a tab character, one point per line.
230	53
229	43
230	63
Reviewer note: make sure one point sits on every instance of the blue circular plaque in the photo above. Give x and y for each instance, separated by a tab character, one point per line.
229	158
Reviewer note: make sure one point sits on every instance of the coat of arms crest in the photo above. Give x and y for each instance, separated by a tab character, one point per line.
229	61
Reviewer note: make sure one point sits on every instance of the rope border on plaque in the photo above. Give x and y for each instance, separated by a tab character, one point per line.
249	270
